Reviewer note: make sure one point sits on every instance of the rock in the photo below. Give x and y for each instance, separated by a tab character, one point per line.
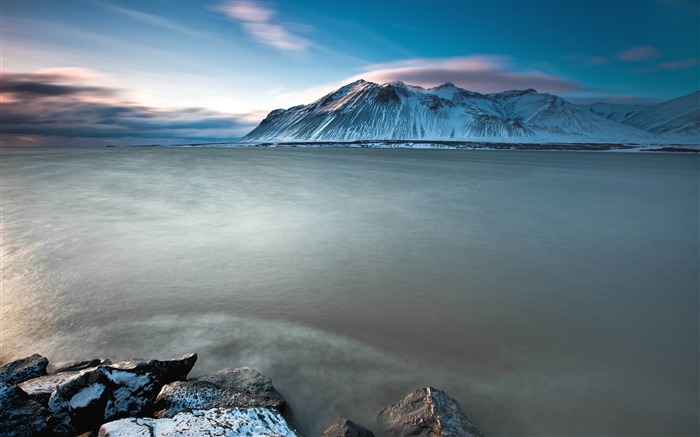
175	369
427	412
343	427
230	422
105	393
19	415
228	388
23	369
40	389
80	365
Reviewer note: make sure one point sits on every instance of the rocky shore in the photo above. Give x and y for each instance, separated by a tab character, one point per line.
154	398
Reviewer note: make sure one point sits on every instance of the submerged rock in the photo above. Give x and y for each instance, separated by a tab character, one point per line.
230	422
343	427
19	415
125	389
23	369
427	412
80	365
228	388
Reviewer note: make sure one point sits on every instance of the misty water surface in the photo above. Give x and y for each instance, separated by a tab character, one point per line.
550	293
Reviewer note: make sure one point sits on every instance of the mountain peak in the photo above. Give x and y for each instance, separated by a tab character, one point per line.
397	111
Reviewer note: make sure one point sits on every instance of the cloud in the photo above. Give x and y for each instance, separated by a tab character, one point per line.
484	74
154	20
639	54
256	21
46	84
36	107
586	60
487	73
670	65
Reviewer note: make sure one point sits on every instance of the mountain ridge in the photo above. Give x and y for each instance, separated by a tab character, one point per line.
364	110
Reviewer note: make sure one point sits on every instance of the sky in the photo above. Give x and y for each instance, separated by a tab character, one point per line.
98	72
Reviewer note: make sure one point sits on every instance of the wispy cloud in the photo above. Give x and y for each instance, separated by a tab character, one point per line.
154	20
671	65
639	54
586	60
257	21
60	106
486	73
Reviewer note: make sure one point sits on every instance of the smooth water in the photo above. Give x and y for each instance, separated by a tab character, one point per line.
550	293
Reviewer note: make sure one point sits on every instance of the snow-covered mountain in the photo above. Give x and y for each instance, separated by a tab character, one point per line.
395	111
675	118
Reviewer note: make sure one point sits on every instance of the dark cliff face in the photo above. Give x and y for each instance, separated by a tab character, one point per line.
387	94
272	116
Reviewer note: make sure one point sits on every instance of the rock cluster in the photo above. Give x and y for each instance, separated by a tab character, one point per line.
154	398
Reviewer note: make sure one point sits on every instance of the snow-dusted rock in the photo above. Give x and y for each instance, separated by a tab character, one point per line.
236	422
125	389
343	427
23	369
427	412
19	415
40	389
228	388
165	371
80	365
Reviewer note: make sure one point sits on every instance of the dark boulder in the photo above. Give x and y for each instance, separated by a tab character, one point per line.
427	412
19	415
23	369
80	365
343	427
40	389
228	388
167	371
125	389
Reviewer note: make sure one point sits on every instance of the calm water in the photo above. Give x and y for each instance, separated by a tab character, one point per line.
550	293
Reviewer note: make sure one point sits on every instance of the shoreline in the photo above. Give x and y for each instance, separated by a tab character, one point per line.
444	145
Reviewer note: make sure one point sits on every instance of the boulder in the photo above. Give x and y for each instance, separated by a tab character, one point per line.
167	371
80	365
427	412
230	422
229	388
23	369
19	415
40	389
105	393
343	427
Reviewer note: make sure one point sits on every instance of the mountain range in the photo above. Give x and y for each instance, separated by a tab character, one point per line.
396	111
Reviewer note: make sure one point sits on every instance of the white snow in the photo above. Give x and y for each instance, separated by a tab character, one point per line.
83	398
236	422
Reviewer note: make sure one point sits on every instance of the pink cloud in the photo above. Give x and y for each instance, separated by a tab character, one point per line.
677	65
77	74
596	60
484	74
257	22
247	11
638	54
670	65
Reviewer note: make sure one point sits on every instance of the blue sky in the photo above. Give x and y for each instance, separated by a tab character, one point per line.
134	72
